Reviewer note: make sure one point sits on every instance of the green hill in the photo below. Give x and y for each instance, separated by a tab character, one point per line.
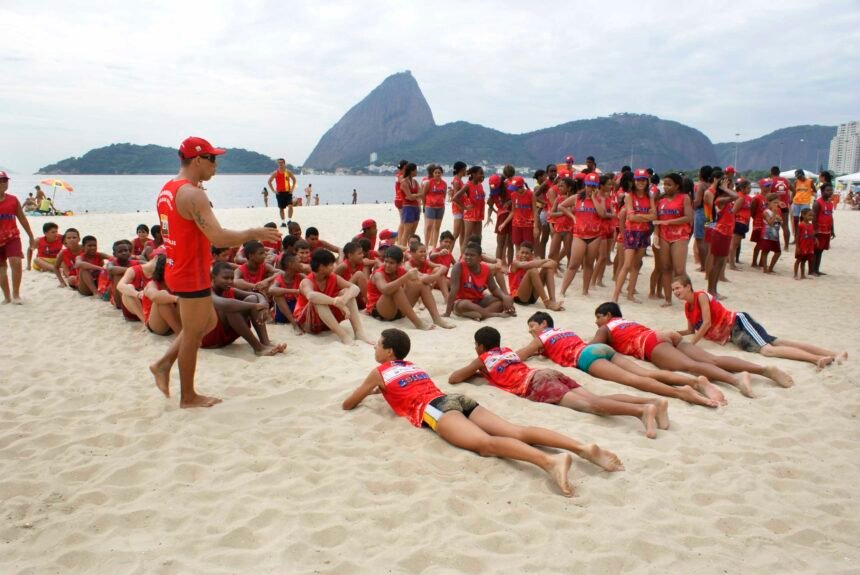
152	159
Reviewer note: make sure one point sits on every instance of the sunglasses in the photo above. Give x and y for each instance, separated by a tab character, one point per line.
208	157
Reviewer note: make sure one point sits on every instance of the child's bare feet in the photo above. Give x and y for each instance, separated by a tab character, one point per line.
709	390
559	469
270	350
841	358
696	397
662	406
649	420
162	378
744	385
824	362
602	458
198	401
666	304
444	324
781	378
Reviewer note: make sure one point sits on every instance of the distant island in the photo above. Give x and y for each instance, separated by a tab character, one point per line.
131	159
395	122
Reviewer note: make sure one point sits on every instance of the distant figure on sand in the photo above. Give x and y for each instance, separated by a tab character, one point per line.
459	420
285	183
265	197
354	197
316	199
10	241
308	193
188	225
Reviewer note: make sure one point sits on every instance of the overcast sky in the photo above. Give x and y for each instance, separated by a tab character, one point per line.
274	76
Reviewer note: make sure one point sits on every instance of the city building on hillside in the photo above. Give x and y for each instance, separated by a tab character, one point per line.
845	149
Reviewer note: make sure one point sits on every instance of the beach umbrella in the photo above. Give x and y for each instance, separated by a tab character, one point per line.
54	183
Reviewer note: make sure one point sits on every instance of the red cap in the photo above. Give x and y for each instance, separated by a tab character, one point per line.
516	183
495	181
730	169
387	235
592	179
569	159
193	146
641	174
3	175
367	224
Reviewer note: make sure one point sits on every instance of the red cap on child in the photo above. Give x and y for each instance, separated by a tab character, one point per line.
516	183
641	174
367	224
387	235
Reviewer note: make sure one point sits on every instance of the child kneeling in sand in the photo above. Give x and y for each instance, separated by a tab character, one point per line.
506	370
460	421
325	299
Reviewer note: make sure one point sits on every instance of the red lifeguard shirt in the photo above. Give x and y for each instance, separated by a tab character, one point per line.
522	202
253	277
329	289
824	219
68	258
408	389
722	320
628	337
587	223
744	214
515	278
472	285
373	293
189	253
138	246
505	370
476	204
671	209
294	283
562	346
725	223
456	184
641	207
48	249
8	219
435	193
784	193
805	238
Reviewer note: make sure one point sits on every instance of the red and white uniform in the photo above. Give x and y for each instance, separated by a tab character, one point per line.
189	254
48	249
744	214
456	184
562	346
505	370
306	314
587	223
641	207
253	277
805	239
671	209
373	293
138	246
629	337
521	203
472	285
8	219
476	203
824	218
783	191
722	320
408	389
435	193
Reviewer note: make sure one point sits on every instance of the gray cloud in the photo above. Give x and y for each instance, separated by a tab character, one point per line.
273	77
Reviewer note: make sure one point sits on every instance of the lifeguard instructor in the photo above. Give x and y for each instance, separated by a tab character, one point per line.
189	228
285	183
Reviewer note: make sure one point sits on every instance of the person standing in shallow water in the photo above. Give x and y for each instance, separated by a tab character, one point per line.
188	225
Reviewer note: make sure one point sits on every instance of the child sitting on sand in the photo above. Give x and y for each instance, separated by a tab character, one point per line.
531	279
285	290
89	265
352	270
48	247
460	421
505	369
64	267
470	281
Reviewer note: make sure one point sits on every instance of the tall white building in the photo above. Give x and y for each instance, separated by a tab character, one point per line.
845	149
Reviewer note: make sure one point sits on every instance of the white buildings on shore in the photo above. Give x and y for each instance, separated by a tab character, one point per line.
845	149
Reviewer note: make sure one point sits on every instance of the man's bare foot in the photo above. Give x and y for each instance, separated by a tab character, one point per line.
198	401
558	470
662	406
666	304
633	298
781	378
824	362
841	358
602	458
162	378
444	324
744	385
270	350
709	390
649	419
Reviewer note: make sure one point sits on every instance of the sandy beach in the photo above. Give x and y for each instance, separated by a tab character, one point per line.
100	474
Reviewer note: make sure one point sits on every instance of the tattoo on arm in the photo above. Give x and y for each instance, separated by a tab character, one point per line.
198	217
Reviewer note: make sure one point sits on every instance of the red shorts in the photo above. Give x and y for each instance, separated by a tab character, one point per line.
549	386
709	230
823	241
756	236
651	342
804	257
474	214
221	335
130	316
770	246
310	320
720	244
11	249
522	234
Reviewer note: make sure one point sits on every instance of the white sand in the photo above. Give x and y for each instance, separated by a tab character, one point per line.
100	474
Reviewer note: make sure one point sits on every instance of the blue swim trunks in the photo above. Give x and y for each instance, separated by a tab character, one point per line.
592	353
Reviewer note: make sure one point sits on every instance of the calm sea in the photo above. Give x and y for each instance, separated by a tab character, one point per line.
120	194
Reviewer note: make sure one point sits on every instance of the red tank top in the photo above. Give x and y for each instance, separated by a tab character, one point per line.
641	207
476	203
587	223
48	249
398	193
805	238
435	193
722	320
784	195
293	284
515	278
506	370
253	277
9	219
138	246
725	223
607	225
68	258
744	214
189	254
628	337
671	209
408	389
472	286
456	184
757	205
824	219
423	268
349	270
281	182
562	346
522	202
329	289
373	293
146	303
407	183
446	260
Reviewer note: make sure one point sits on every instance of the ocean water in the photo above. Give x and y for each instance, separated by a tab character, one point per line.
123	194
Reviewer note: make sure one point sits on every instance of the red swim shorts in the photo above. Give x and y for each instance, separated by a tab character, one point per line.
221	336
12	249
310	320
549	386
720	244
